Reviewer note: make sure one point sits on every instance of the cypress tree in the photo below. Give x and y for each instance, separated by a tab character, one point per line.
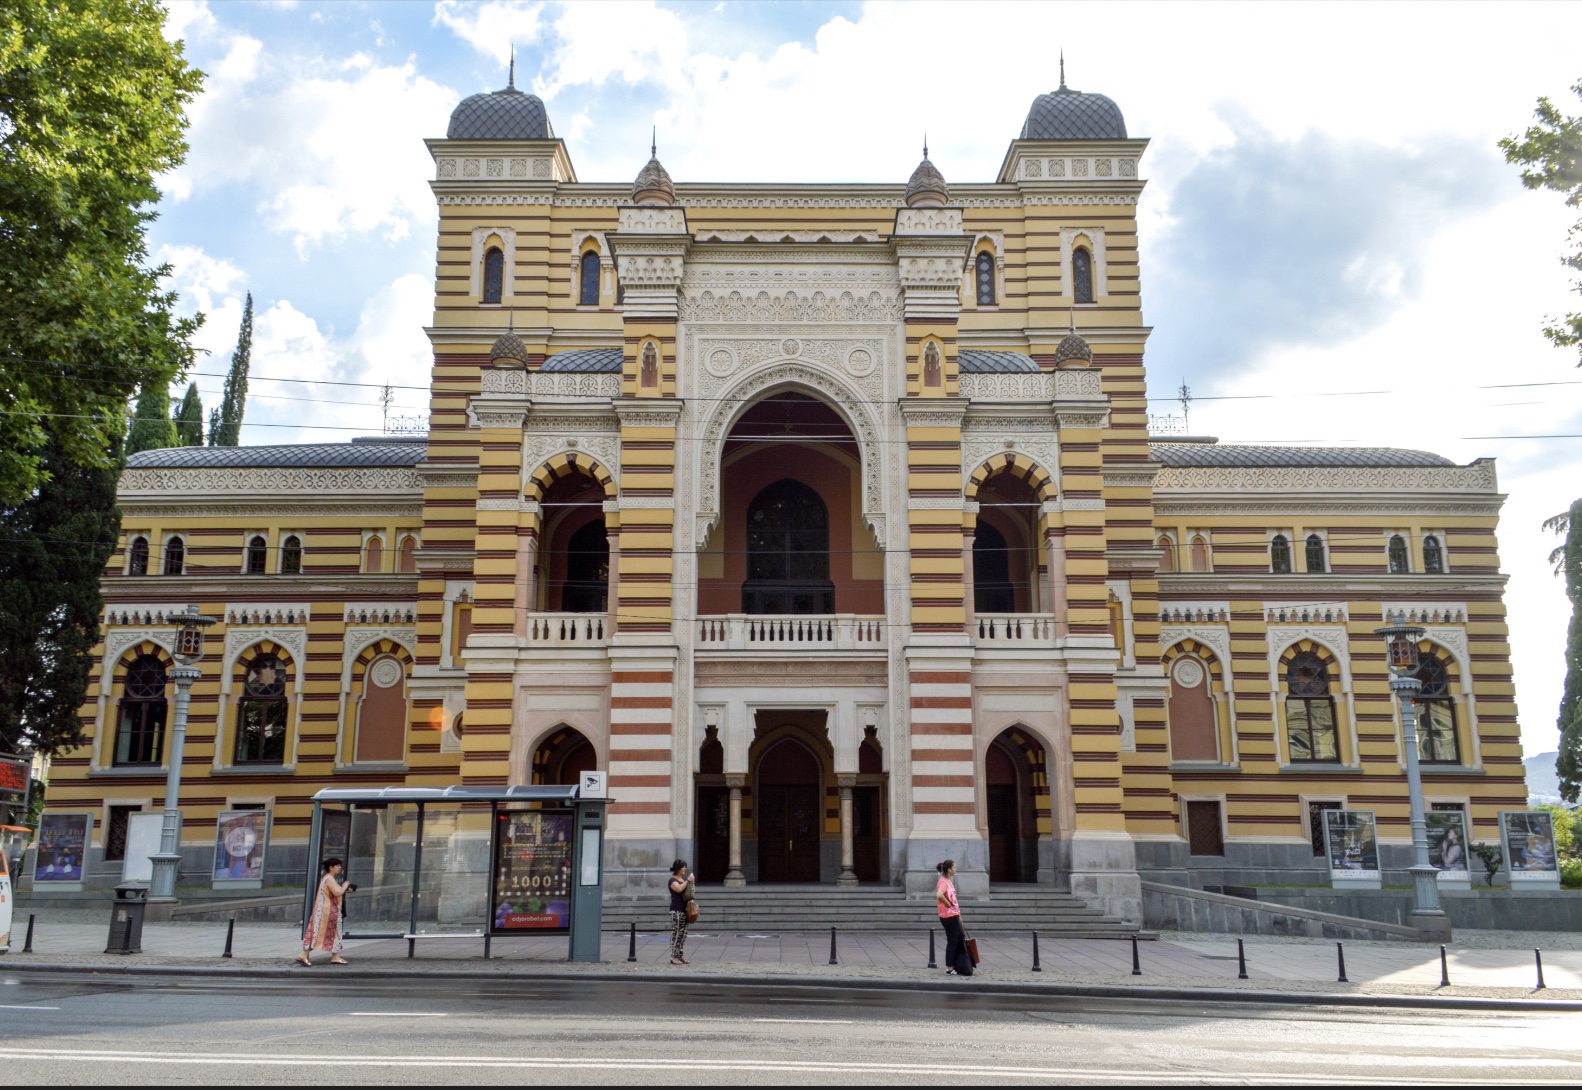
234	400
1568	561
151	425
189	419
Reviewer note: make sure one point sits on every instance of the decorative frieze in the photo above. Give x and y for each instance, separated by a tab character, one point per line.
269	479
1477	477
255	613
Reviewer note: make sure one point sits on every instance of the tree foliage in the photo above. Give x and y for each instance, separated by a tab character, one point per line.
152	427
92	111
1551	152
189	419
226	430
1568	562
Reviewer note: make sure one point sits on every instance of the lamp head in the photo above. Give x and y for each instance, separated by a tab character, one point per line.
1401	642
189	638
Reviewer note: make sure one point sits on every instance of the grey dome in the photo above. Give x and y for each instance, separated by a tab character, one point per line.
927	187
653	186
1065	114
1073	347
508	349
500	115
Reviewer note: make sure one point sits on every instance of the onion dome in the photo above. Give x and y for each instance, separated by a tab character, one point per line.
1064	114
506	114
653	186
927	188
508	351
1073	351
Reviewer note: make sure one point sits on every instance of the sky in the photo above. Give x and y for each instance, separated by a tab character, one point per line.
1333	249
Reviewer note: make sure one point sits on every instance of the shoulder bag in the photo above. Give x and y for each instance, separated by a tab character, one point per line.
691	903
972	947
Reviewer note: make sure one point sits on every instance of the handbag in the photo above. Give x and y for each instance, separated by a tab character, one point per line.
972	948
691	903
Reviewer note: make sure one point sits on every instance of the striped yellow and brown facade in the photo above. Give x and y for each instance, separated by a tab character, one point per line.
826	519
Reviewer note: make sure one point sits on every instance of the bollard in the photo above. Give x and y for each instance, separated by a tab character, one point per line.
1444	969
932	964
1241	961
230	933
1538	959
1137	965
27	947
631	948
1037	968
832	959
1340	955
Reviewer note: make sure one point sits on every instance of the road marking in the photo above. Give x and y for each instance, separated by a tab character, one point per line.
397	1014
809	1021
11	1007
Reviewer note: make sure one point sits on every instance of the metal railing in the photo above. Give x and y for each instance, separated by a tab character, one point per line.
792	632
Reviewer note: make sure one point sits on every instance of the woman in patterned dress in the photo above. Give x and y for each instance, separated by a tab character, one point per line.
324	925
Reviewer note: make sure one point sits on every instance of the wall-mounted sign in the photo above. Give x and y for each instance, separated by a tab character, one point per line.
14	774
532	871
594	785
1530	856
1351	844
62	843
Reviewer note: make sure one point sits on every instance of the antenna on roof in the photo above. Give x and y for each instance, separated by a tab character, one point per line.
510	81
1184	395
1062	69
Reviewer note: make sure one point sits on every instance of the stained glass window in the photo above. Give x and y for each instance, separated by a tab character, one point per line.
1315	553
257	556
1436	715
1433	556
588	282
1400	561
1280	555
1310	710
140	733
788	552
493	275
1082	275
261	716
291	556
985	278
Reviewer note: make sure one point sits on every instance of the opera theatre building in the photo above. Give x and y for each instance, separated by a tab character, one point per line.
826	520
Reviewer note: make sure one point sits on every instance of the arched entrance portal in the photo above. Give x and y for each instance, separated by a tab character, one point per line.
1016	803
563	757
788	812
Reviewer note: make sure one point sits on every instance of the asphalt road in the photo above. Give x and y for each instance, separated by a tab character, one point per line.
93	1030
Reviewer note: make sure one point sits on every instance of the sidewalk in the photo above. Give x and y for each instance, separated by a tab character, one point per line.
1482	965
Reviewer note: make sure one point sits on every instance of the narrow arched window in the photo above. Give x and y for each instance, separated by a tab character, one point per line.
291	556
140	728
1280	555
1433	556
175	556
1400	561
137	557
1082	275
1310	710
1436	715
588	280
374	554
493	275
933	373
1315	554
788	552
261	714
406	557
650	369
1167	550
587	586
985	279
257	556
1199	553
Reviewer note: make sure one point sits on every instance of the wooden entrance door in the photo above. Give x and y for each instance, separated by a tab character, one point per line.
714	833
1004	813
788	813
866	826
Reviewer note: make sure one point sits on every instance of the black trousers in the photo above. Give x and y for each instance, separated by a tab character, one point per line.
956	946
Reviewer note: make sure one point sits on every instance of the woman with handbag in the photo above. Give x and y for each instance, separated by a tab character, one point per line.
327	923
683	911
956	955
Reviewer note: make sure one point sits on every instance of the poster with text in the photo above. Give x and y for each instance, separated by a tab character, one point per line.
1529	843
240	840
1351	840
62	841
532	872
1447	840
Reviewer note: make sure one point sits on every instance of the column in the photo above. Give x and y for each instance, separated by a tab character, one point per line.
733	873
526	583
613	534
848	854
969	594
1057	583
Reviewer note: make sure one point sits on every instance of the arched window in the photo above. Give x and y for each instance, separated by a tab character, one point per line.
588	280
291	556
1315	554
137	557
1400	560
991	572
788	552
587	588
1436	715
1167	549
985	279
1194	728
257	556
1199	553
1082	275
374	554
493	275
1433	556
406	557
175	556
140	731
1310	710
261	715
1280	555
933	373
650	371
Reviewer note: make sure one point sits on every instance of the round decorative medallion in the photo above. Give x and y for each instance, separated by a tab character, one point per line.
385	673
720	362
1188	673
859	362
791	347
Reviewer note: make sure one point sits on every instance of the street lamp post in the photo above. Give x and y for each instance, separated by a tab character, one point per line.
1427	916
189	649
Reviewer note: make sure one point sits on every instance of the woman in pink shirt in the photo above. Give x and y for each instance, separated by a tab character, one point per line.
950	918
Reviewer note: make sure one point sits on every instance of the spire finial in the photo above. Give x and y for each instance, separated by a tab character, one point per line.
510	81
1062	69
925	145
653	144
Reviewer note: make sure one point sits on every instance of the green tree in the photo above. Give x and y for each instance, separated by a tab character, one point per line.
53	548
1567	560
152	428
1551	152
189	419
92	112
227	431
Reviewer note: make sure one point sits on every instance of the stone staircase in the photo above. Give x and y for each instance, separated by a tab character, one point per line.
771	909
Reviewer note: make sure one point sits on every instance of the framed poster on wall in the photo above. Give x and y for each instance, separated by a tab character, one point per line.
62	845
241	839
1530	856
1351	845
143	833
1448	848
532	872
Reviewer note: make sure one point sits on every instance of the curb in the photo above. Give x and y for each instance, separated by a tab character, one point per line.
770	980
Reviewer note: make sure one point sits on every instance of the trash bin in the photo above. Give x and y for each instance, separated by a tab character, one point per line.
126	919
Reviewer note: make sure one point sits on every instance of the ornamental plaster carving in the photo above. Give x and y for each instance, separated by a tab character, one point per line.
1025	386
1438	613
857	356
1215	637
1205	611
541	446
654	220
234	479
380	613
495	504
1332	638
123	613
650	503
1082	503
928	221
509	419
949	418
1477	477
253	613
239	638
448	478
1042	449
499	380
359	640
1128	479
933	503
638	419
791	306
1081	420
577	426
650	270
1454	640
1328	612
117	642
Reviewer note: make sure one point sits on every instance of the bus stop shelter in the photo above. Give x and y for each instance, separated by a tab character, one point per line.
464	862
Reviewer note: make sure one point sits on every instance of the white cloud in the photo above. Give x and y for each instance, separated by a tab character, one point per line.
196	277
187	19
491	28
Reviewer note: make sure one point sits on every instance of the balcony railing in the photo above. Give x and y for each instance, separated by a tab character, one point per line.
792	632
568	629
1014	629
